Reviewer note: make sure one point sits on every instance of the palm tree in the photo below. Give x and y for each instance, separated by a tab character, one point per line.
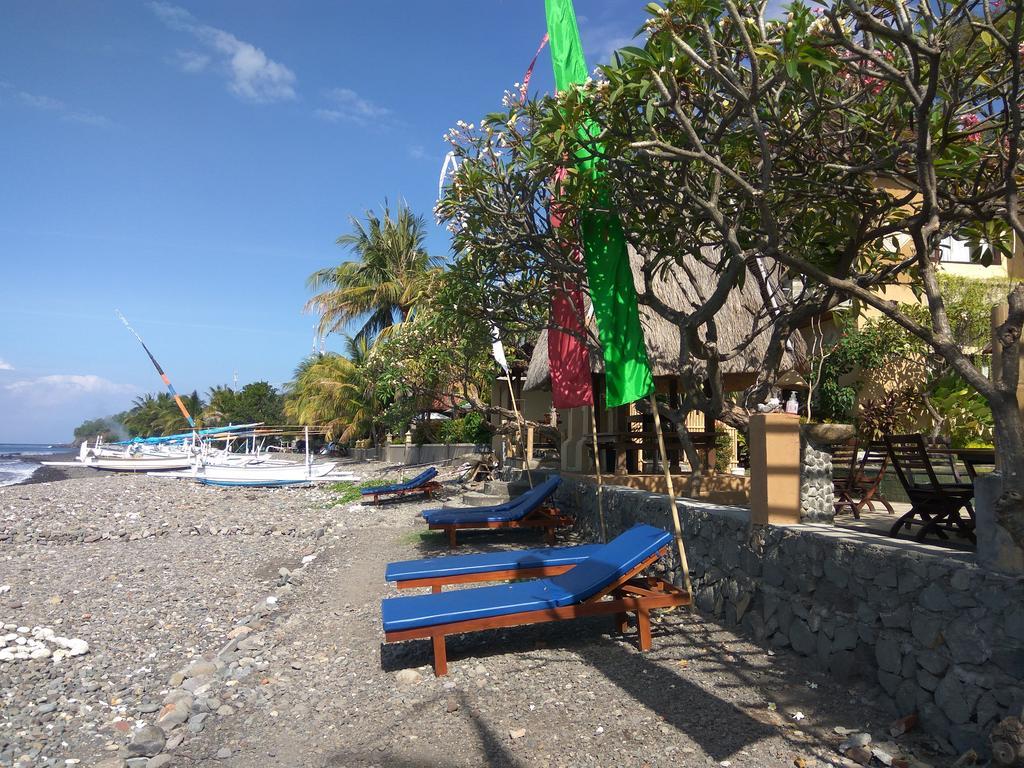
385	282
220	404
334	392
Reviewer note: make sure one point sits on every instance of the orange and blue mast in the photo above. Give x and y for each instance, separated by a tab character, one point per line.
163	376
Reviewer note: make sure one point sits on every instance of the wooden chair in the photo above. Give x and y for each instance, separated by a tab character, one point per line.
936	504
857	472
608	582
423	483
527	511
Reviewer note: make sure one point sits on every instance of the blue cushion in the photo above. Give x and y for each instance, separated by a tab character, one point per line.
605	565
516	559
544	490
408	485
502	513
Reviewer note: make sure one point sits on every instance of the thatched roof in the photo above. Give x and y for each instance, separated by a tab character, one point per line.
734	322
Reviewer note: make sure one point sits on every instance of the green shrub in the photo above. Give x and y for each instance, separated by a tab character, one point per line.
723	450
470	428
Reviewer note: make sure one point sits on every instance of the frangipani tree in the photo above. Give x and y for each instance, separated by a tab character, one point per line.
823	155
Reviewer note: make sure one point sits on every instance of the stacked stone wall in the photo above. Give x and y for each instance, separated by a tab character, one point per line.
939	635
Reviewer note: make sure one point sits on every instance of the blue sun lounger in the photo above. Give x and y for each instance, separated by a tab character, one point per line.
608	582
423	483
527	511
488	566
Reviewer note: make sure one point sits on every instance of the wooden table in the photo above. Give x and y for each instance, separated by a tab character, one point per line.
624	443
971	457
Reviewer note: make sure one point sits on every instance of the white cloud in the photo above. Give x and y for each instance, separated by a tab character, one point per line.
252	75
348	106
60	388
191	62
47	408
417	152
5	366
49	104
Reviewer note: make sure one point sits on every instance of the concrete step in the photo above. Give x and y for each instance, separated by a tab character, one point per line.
479	499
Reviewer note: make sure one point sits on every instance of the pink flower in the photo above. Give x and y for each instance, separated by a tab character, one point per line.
970	121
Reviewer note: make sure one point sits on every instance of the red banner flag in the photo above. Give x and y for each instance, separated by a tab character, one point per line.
568	358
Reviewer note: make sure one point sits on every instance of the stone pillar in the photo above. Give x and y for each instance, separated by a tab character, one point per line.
774	469
817	501
996	548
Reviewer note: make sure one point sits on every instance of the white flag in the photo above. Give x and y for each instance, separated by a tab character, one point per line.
498	349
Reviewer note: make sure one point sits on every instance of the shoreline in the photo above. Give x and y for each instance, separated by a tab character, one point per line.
43	474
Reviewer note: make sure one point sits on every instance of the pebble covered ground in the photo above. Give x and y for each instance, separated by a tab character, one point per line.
237	628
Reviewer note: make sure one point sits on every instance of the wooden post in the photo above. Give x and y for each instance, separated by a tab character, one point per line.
597	474
521	423
677	528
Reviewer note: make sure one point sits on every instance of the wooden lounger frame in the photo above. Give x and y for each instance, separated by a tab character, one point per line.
436	582
430	488
631	593
547	518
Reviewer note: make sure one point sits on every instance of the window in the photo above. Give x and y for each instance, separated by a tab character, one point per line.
953	250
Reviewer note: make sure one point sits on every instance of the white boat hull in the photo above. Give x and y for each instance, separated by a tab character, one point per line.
264	472
144	464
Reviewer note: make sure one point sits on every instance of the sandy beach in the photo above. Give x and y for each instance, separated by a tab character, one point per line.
247	625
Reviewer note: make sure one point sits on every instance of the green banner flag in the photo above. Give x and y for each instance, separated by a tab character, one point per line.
612	291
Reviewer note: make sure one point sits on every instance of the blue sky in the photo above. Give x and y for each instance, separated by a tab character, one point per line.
191	163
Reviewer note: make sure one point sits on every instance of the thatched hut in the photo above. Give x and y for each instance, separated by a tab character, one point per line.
685	291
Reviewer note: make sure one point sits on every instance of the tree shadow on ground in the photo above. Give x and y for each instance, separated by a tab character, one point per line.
721	728
474	542
492	749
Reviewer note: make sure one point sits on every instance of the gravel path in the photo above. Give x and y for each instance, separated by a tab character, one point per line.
247	625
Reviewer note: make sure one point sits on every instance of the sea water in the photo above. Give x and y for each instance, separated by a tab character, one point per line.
13	469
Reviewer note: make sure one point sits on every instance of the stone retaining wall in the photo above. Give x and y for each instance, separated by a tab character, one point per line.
431	453
939	635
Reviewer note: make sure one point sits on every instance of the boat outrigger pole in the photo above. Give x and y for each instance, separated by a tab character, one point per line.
167	381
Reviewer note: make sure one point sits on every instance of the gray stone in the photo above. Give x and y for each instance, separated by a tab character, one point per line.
845	638
925	628
934	598
836	572
966	643
897	619
888	654
801	637
949	696
147	741
201	668
889	681
927	680
160	761
934	722
988	709
1010	660
1013	623
908	583
136	762
223	753
906	697
932	661
967	737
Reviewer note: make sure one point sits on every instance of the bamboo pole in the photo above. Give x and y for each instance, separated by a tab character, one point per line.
597	473
521	422
677	528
